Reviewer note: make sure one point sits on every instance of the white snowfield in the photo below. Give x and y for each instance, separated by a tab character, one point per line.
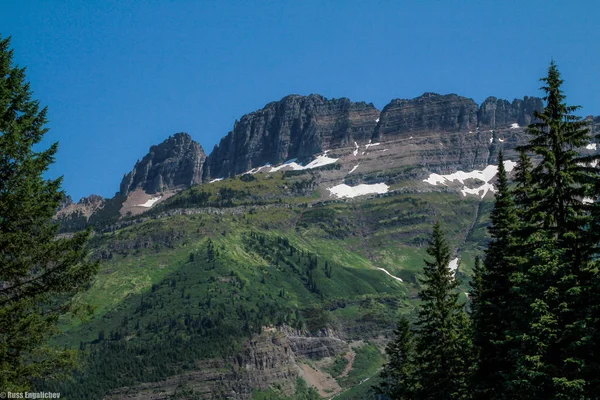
353	168
501	140
591	146
355	152
395	277
453	266
587	200
216	180
317	162
150	202
485	175
371	144
344	190
514	125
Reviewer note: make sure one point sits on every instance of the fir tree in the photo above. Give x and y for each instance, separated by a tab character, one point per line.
39	274
397	376
491	302
551	328
443	349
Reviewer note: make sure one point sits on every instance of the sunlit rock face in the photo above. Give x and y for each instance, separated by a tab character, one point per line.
294	127
176	163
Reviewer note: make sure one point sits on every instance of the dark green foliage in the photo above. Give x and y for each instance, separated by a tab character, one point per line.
39	274
552	327
201	311
492	297
534	300
439	364
443	349
303	392
398	375
247	178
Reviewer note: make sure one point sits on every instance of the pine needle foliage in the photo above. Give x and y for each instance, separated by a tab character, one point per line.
443	347
39	273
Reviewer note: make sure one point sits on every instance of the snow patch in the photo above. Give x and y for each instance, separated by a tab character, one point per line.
371	144
320	161
216	180
353	168
355	152
514	125
256	170
501	140
344	190
453	266
395	277
150	202
587	200
486	187
317	162
485	176
377	120
491	139
591	146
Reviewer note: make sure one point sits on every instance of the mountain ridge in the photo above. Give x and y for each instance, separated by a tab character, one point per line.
431	133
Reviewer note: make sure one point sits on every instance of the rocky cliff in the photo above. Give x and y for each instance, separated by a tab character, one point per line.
84	207
495	113
294	127
431	113
301	126
271	358
175	163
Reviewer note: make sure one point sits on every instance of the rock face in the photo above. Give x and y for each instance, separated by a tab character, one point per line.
301	126
175	163
270	358
495	112
430	112
84	207
294	127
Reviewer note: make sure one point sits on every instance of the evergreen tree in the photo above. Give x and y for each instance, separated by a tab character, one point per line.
443	350
551	327
39	273
491	302
397	376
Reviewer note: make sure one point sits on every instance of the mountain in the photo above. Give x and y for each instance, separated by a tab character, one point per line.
284	278
294	127
174	164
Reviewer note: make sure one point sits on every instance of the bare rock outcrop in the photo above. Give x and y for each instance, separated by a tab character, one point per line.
176	163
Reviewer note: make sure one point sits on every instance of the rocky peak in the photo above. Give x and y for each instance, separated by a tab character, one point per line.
495	112
175	163
91	200
294	127
429	112
66	202
433	112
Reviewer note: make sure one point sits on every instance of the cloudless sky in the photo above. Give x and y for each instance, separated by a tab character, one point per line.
119	76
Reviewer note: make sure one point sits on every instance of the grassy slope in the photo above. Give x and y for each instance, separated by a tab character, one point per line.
254	267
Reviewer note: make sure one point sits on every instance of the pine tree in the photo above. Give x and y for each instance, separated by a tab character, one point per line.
443	349
39	273
397	376
491	302
550	330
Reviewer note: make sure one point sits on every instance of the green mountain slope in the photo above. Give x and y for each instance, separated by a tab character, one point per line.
191	282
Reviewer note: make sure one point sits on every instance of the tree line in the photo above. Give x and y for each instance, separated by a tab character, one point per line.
532	328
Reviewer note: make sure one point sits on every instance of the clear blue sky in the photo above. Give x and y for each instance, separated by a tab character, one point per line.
119	76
